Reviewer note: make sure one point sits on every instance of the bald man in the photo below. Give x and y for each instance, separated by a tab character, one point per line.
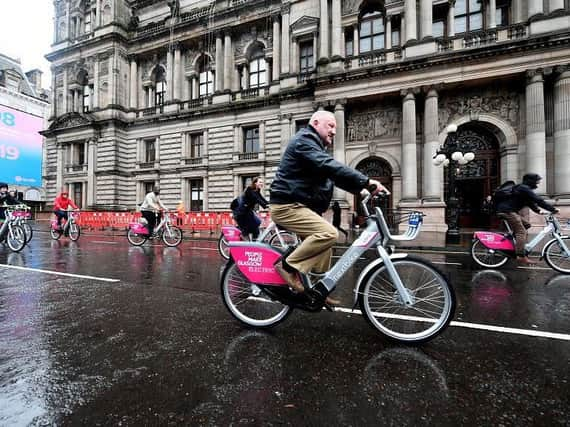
300	193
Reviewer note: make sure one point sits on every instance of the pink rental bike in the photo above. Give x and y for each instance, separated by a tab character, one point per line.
492	250
404	297
170	234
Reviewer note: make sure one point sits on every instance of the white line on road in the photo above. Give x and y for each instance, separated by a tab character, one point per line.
57	273
446	263
105	242
480	326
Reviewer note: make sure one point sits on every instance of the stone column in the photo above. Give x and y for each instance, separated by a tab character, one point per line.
285	43
426	28
60	166
517	12
54	107
388	32
169	73
535	127
410	11
295	66
492	13
336	29
134	79
356	40
98	14
96	82
112	80
276	48
432	174
219	78
324	30
68	23
195	87
245	77
562	133
285	131
555	5
338	146
535	7
91	167
177	78
236	83
76	104
228	61
65	90
451	19
409	148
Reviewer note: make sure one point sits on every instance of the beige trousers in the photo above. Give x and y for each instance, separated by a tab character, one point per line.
519	226
319	236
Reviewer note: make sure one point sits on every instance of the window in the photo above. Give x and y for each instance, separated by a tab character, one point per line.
78	194
196	195
300	124
396	25
79	154
440	20
147	187
251	140
246	181
88	22
372	32
349	42
502	13
468	16
87	98
206	78
257	73
306	57
196	145
149	151
160	92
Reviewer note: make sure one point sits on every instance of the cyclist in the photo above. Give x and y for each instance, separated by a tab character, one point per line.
151	209
5	199
522	195
245	215
60	206
302	191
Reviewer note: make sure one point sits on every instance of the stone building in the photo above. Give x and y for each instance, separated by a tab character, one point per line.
23	92
198	96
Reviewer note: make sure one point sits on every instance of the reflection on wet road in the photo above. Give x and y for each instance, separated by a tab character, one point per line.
138	336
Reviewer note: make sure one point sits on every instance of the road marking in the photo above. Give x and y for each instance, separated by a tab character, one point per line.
446	263
57	273
534	268
480	326
105	242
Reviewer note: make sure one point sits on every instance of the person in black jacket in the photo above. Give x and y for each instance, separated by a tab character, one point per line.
5	199
522	196
302	191
246	218
336	218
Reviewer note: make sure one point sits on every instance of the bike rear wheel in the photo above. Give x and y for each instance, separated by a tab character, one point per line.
172	236
486	257
223	247
16	238
74	231
55	234
28	230
556	257
136	239
248	303
433	301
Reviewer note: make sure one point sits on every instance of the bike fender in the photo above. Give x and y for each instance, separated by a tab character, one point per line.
367	270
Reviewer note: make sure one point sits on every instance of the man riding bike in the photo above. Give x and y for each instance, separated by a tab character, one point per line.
151	209
302	190
61	205
5	199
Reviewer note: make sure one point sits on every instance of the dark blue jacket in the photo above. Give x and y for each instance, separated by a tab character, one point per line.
523	196
307	174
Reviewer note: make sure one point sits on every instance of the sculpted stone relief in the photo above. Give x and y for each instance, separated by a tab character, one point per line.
370	125
245	39
350	6
502	103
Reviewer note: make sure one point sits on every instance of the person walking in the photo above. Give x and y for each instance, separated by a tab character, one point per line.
336	219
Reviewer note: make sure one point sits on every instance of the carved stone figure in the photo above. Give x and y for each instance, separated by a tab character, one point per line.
370	125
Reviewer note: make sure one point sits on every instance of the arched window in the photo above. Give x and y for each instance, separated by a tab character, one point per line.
257	66
159	80
468	16
61	34
206	77
106	15
372	31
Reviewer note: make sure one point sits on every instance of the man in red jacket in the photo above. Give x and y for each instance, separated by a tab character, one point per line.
61	205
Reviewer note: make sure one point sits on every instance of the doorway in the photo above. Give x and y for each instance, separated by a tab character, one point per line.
380	170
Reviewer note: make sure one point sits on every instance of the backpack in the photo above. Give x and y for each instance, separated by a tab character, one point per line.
503	192
237	205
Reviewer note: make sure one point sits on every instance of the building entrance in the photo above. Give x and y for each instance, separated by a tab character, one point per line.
378	169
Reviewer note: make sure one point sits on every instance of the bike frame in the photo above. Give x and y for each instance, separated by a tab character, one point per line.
164	223
70	220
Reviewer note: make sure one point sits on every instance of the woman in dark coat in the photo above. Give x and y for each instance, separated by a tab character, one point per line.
247	220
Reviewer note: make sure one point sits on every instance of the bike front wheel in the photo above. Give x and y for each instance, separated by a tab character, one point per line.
136	239
433	301
223	247
28	230
74	231
172	236
248	303
486	257
556	256
16	238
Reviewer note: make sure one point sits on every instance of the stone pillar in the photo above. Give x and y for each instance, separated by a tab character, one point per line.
426	28
169	74
388	32
324	31
96	82
555	5
535	7
76	104
276	48
285	43
98	14
60	166
517	12
409	148
410	11
195	87
228	61
65	90
187	93
492	13
245	77
68	24
294	67
177	78
336	29
356	40
536	128
285	131
91	167
134	79
236	83
562	133
112	80
451	19
432	174
54	107
219	78
338	145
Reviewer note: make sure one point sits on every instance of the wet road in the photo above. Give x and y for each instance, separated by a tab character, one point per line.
139	336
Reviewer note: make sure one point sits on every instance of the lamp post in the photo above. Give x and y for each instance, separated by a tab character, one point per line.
449	155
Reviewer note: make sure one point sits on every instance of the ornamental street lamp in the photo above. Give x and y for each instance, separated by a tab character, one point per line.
450	156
